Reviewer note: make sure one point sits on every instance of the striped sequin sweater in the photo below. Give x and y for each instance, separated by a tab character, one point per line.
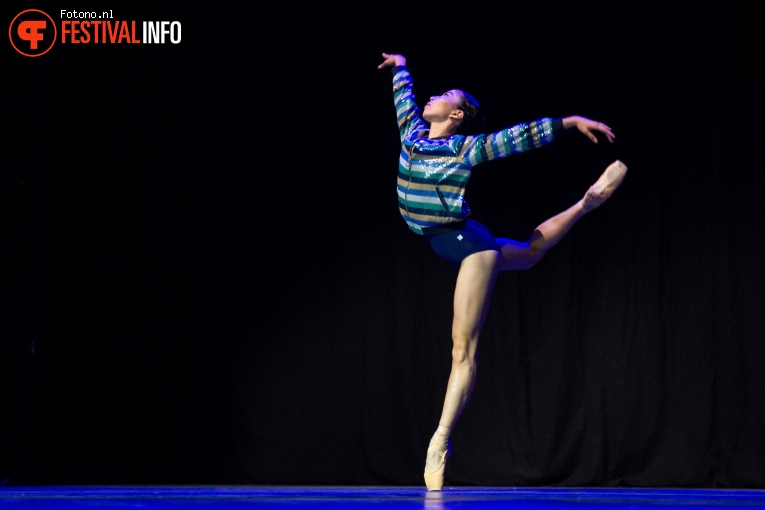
433	172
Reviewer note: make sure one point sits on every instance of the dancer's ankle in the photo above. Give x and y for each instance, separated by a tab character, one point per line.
441	435
443	431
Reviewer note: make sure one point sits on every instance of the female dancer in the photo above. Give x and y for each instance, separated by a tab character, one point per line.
439	148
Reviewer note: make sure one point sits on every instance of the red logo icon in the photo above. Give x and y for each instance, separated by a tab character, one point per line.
32	33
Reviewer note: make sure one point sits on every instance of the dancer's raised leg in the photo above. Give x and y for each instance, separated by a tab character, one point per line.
523	255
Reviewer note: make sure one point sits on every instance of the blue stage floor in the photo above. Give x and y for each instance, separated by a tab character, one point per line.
295	497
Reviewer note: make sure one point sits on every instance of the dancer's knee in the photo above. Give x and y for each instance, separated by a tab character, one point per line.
518	255
463	349
533	255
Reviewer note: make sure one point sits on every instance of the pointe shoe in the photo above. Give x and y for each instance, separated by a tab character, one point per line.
434	480
605	186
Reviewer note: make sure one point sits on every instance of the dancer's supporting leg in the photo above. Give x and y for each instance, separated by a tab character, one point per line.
475	282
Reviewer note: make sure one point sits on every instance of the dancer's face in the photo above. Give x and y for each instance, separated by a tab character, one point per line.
439	108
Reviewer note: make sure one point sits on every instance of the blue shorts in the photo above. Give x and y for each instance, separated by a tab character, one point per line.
455	242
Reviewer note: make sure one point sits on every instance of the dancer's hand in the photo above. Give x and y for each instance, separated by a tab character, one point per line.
392	60
589	127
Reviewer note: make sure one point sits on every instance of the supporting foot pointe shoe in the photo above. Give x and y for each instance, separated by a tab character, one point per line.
434	480
605	185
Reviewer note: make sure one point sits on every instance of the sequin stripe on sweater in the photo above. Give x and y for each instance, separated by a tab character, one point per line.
407	111
513	140
432	196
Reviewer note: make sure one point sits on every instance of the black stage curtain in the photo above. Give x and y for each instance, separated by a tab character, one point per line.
206	279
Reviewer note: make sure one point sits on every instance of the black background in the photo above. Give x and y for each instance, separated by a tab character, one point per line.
205	278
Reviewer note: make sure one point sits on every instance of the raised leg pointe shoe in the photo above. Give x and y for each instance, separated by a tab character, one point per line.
434	480
605	185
